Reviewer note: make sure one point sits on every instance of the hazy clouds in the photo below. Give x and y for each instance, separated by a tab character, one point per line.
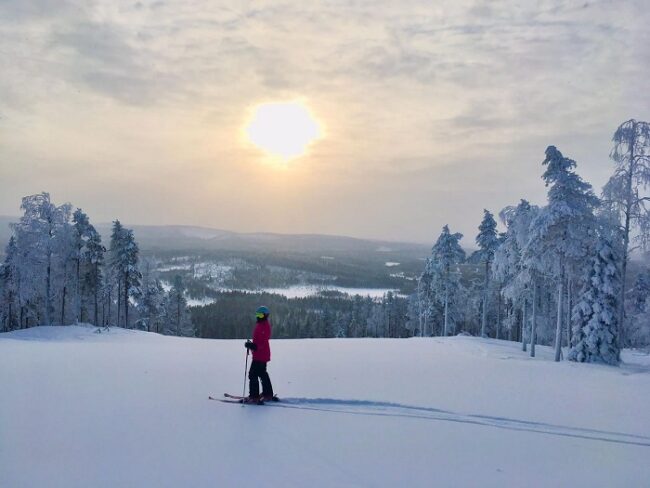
433	110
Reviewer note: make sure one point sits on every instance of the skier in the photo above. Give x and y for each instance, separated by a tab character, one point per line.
261	356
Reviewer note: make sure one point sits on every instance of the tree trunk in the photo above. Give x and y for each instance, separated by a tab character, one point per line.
48	287
63	304
178	316
78	297
533	325
119	303
568	310
108	318
497	333
626	243
95	293
485	297
523	326
126	304
499	312
10	316
444	333
558	328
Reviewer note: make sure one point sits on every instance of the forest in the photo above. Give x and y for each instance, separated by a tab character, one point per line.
573	272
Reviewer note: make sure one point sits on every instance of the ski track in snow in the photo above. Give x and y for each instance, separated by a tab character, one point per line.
389	409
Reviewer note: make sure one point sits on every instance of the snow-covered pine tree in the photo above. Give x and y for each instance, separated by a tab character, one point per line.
488	242
93	277
124	253
9	285
132	276
627	195
564	230
595	315
82	230
446	255
116	264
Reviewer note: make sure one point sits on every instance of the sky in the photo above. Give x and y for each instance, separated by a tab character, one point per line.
429	112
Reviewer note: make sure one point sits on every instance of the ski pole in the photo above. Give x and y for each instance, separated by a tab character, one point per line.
243	394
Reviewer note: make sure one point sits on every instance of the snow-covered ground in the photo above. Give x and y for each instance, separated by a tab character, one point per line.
131	409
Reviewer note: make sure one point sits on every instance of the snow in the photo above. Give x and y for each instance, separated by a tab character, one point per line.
175	267
129	408
216	271
200	302
403	276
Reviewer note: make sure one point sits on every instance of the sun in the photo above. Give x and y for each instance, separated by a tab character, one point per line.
282	130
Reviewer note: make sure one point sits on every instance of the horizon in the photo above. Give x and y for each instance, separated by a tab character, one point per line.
370	121
296	234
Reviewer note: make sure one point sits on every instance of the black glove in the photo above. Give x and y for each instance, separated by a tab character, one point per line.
250	346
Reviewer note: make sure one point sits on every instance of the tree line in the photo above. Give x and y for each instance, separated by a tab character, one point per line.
329	314
558	273
57	271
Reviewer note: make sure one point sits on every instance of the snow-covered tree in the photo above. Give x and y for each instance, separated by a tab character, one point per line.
488	242
93	277
441	276
39	234
64	278
116	264
563	231
512	268
626	195
9	282
124	254
82	232
595	315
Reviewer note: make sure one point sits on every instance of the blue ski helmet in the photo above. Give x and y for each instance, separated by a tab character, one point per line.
262	311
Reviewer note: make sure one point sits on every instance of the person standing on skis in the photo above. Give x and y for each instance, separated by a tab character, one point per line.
261	356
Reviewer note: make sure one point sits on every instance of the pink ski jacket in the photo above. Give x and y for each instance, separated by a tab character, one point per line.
261	336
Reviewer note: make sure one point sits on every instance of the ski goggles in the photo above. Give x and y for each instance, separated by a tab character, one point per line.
259	315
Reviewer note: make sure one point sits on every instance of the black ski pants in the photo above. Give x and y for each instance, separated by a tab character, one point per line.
258	370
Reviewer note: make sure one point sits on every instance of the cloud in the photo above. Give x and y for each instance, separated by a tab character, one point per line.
408	91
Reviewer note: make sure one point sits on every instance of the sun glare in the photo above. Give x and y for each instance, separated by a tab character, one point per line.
282	130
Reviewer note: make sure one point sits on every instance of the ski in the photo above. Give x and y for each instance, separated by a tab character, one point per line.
228	395
226	400
238	397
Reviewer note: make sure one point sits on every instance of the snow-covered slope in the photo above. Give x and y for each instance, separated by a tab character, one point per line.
125	408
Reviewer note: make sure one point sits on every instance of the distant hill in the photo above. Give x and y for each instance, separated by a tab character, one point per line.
193	238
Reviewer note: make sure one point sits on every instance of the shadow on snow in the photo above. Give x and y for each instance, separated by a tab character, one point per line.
389	409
